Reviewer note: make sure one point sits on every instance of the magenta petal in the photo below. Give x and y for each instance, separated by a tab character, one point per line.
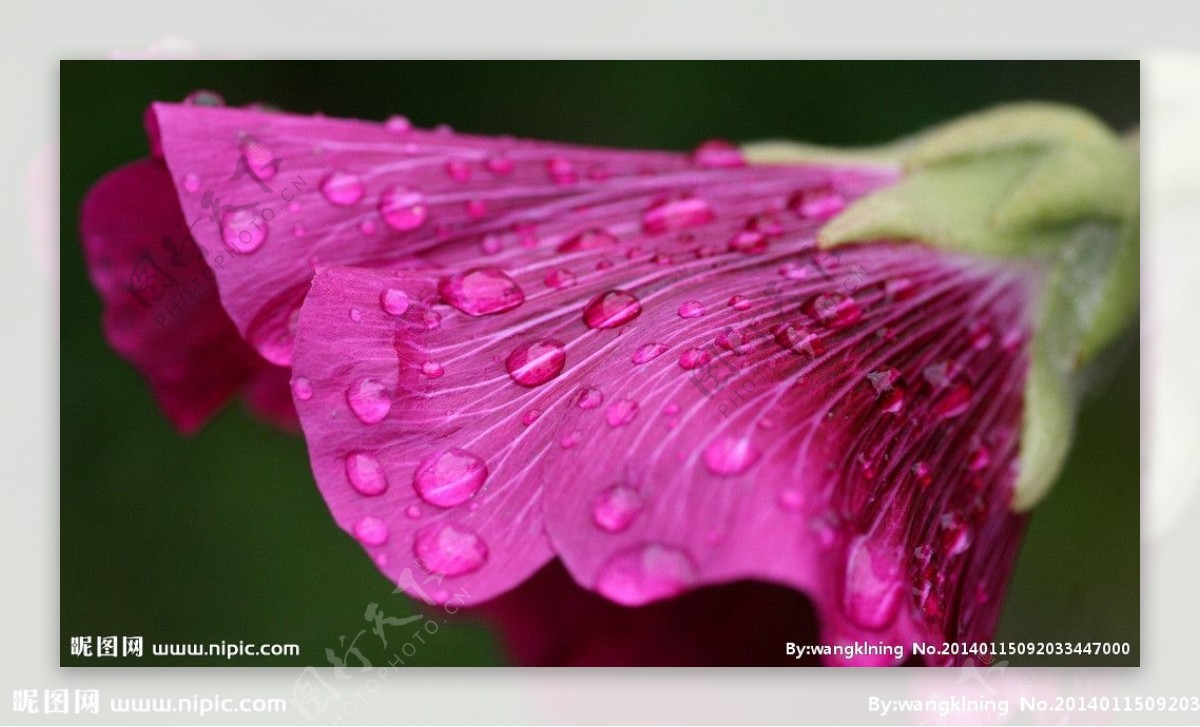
161	308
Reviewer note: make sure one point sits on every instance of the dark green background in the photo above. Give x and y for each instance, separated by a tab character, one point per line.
224	536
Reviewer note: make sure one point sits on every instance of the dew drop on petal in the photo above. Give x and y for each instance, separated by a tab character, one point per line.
302	388
694	358
729	455
403	209
432	369
398	124
450	549
717	154
536	362
355	315
191	182
570	440
648	352
621	412
676	214
562	171
871	594
616	508
531	416
791	499
371	531
499	165
412	512
833	310
449	477
204	97
369	400
691	309
750	242
366	474
646	573
481	291
953	403
559	279
798	339
342	189
459	170
476	208
589	398
593	239
259	159
739	302
242	230
394	302
923	474
817	203
979	458
611	309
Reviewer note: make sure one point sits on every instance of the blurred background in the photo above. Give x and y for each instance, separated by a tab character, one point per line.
223	536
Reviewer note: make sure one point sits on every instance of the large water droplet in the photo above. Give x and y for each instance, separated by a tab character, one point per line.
371	531
646	573
729	455
611	309
536	362
676	214
871	596
394	302
366	474
403	209
450	549
449	477
616	508
243	231
648	353
481	291
621	412
342	189
369	400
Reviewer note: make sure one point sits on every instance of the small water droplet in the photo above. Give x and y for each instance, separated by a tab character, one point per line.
191	182
798	339
645	573
570	440
832	310
593	239
648	352
302	388
562	171
355	315
242	230
204	97
499	165
371	531
259	159
749	242
729	455
871	597
676	214
366	474
816	203
412	512
953	403
980	335
449	477
536	362
621	412
889	389
398	124
791	499
739	302
481	291
450	549
616	508
923	474
459	170
403	209
432	369
560	279
694	358
691	309
369	400
342	189
394	302
979	458
717	154
589	398
611	309
476	208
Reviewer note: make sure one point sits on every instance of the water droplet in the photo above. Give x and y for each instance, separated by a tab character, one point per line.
923	474
398	124
191	182
694	358
536	362
394	302
204	97
491	244
242	230
403	209
676	214
589	398
889	389
412	512
356	315
562	171
450	549
979	458
261	162
645	573
953	403
871	597
369	400
766	224
594	239
499	165
449	477
791	499
621	412
833	310
371	531
616	508
733	341
476	208
798	339
749	242
739	302
817	203
611	309
432	369
648	352
459	170
431	319
365	474
691	309
729	455
717	154
560	279
302	388
481	291
980	335
570	440
342	189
